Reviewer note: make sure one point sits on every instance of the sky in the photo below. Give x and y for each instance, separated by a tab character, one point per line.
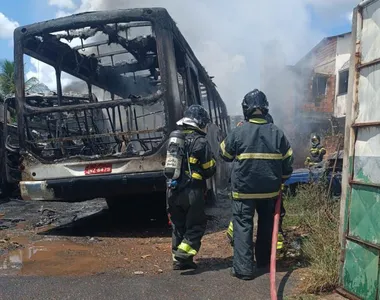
230	38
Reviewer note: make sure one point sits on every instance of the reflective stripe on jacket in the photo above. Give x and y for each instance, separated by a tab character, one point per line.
262	159
201	159
316	153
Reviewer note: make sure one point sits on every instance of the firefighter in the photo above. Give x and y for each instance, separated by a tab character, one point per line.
317	152
186	200
280	238
262	160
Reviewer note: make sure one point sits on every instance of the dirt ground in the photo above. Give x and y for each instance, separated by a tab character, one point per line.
39	239
53	238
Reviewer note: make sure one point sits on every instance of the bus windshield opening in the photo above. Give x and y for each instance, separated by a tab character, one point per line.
106	99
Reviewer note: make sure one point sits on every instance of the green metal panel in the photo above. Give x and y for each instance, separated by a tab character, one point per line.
361	223
364	217
360	271
346	209
378	285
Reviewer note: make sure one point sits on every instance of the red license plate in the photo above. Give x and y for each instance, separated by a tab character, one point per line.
98	169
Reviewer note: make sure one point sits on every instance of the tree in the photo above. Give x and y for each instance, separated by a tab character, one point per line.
7	81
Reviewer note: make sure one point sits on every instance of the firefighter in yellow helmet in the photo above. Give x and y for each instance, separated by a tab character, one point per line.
317	152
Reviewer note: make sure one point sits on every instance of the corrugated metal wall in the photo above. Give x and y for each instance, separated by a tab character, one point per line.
361	223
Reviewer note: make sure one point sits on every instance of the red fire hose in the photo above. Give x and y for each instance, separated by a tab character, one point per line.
273	288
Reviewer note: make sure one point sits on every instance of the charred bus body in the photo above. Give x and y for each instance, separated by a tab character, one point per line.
139	75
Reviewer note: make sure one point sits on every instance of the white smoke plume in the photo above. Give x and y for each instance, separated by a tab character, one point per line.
230	38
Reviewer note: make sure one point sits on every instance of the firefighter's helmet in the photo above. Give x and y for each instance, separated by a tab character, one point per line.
315	140
254	100
195	116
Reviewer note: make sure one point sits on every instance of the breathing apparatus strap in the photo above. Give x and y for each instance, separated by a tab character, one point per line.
186	180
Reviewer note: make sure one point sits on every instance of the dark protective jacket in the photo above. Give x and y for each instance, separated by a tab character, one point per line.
316	153
201	159
262	159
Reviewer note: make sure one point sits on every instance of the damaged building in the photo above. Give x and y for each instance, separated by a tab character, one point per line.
310	96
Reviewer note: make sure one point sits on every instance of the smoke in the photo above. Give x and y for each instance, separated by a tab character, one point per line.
333	11
228	37
237	41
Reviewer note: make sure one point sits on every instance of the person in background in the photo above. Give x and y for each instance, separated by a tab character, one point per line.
317	152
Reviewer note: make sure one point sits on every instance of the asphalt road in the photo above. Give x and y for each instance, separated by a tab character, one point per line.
65	263
186	285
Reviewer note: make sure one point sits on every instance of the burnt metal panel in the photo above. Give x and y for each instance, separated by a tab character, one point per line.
133	98
93	19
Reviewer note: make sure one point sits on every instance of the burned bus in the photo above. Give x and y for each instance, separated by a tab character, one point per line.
137	74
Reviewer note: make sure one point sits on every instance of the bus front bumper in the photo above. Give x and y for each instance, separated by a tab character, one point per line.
98	186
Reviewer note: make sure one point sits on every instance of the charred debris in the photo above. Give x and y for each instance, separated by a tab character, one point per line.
118	108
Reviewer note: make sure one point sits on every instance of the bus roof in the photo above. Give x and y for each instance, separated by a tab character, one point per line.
156	15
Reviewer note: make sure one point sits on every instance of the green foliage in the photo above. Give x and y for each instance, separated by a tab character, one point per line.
7	81
318	217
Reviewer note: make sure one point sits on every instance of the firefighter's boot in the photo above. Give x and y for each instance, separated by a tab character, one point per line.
184	264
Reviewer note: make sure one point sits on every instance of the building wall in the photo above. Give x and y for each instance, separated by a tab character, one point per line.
342	56
325	57
320	61
340	106
343	49
321	58
323	105
313	114
290	94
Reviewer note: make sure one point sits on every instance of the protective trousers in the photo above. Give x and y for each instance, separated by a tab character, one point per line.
186	209
230	230
243	212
